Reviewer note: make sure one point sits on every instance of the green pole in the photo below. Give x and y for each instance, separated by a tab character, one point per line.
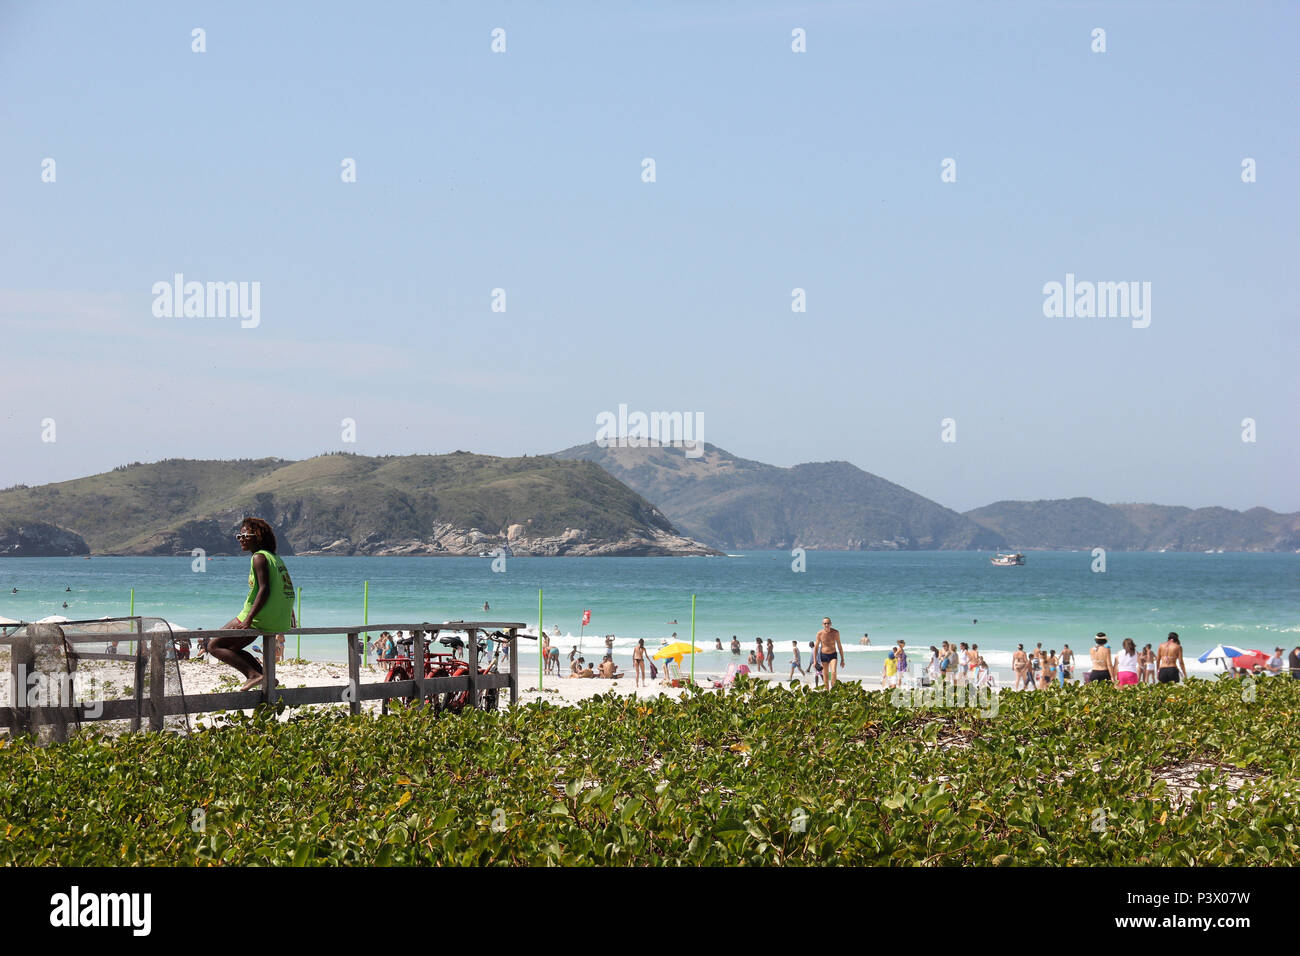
132	614
539	639
365	619
692	638
300	623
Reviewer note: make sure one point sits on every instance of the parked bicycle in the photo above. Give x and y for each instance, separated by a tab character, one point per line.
447	664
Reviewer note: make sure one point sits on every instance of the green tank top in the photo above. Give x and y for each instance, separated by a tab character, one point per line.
275	614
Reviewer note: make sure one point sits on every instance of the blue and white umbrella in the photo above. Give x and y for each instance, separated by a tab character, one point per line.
1222	652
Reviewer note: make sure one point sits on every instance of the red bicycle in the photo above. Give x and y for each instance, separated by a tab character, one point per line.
445	664
454	666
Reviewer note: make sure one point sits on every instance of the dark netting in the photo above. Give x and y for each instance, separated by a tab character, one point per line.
113	674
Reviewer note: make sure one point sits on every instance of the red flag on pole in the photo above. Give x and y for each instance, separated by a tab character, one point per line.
586	618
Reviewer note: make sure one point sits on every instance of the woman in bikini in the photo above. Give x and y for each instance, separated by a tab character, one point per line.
638	663
1103	668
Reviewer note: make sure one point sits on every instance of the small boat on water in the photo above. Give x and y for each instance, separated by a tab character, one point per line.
1009	560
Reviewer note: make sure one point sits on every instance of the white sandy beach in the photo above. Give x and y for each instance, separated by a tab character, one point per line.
205	675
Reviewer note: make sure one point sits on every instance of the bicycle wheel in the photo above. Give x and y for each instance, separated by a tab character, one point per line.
396	674
454	700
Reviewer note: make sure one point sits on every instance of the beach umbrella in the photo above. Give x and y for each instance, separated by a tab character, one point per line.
677	651
1251	659
54	619
1222	652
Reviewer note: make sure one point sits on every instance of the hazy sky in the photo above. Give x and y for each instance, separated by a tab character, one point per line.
774	170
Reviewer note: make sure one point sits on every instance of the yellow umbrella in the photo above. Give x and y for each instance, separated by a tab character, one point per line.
677	651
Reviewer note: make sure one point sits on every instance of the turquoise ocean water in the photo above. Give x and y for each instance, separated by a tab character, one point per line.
1252	600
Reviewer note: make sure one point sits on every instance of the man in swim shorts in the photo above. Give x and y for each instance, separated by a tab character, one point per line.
828	651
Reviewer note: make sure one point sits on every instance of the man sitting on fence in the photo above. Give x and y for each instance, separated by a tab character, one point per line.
268	607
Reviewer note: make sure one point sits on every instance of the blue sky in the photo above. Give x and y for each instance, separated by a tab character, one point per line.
775	170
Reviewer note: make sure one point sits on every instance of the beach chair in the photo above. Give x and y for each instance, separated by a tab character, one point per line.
727	679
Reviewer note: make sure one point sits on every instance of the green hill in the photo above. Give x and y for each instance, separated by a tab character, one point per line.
734	503
352	504
1085	523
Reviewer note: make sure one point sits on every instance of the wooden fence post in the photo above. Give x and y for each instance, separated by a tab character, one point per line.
139	684
354	671
514	667
157	681
417	664
269	644
473	667
22	656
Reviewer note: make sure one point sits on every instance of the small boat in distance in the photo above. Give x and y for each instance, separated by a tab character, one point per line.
1007	560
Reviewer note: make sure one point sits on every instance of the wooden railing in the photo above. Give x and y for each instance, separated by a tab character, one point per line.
151	705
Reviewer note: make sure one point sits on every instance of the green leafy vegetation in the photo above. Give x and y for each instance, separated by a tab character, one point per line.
1192	775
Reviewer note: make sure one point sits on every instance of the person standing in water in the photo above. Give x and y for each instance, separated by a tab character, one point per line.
268	607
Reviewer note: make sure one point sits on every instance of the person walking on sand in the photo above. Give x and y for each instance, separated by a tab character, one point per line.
1019	665
771	655
1169	661
759	655
268	607
1126	664
1103	667
638	664
830	651
817	670
546	653
796	663
1067	665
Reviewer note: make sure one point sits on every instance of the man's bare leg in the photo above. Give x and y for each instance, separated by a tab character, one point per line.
230	650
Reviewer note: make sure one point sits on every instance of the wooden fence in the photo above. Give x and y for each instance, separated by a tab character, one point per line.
150	705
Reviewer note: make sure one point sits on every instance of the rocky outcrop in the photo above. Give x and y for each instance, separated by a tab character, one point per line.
448	541
35	539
